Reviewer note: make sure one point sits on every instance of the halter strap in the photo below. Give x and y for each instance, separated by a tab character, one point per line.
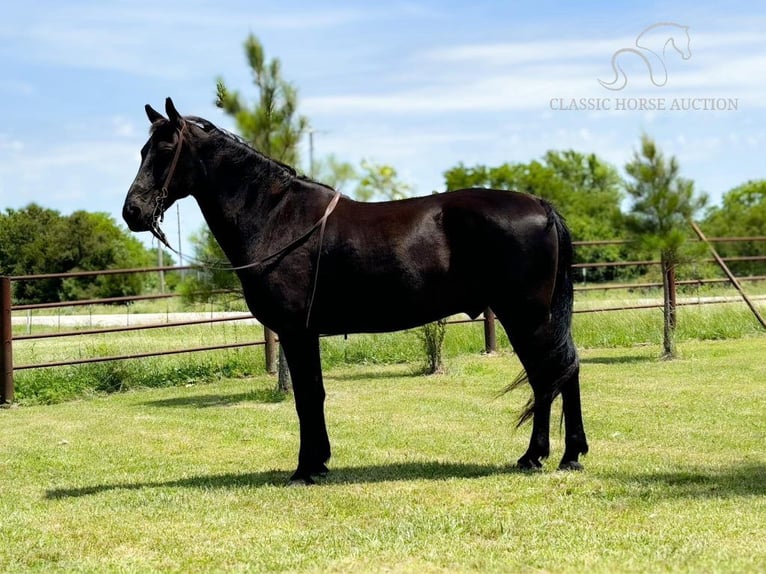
159	202
321	223
174	163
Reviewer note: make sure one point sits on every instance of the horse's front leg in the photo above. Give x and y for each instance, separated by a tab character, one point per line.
302	354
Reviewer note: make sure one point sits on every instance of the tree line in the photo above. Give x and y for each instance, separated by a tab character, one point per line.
37	240
590	193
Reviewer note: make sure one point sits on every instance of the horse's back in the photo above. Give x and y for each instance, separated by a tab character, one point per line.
472	223
424	258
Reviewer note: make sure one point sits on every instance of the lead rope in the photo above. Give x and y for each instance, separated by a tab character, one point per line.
327	212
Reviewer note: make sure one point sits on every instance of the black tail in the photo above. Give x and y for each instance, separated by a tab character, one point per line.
563	294
564	352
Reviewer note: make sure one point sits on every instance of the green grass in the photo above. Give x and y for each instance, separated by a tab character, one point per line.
191	478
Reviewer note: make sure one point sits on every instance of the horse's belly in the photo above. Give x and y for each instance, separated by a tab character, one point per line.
377	310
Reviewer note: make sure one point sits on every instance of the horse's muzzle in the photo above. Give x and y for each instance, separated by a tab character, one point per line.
136	218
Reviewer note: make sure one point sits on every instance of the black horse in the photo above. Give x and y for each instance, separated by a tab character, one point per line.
384	266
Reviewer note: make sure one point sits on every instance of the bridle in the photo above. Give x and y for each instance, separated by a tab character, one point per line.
158	216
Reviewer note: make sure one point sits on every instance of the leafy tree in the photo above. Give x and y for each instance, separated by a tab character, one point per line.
36	240
203	285
338	174
586	190
380	181
663	204
26	248
93	241
742	213
370	182
272	123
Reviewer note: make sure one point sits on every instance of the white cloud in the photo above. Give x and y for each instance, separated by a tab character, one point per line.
10	145
123	128
168	40
524	52
502	91
524	75
73	175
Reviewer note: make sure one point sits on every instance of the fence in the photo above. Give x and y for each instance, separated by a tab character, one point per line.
7	367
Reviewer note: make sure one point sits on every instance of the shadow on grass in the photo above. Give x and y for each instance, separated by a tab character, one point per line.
220	400
742	480
343	475
622	360
374	374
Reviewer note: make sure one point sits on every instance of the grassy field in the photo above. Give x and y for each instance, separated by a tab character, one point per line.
191	478
591	330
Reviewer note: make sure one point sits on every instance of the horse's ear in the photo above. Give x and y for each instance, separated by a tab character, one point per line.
153	114
173	115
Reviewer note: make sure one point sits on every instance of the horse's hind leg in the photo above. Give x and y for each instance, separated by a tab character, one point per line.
550	367
539	442
530	336
575	441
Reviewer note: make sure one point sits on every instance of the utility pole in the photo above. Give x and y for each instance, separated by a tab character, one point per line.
180	248
311	153
312	164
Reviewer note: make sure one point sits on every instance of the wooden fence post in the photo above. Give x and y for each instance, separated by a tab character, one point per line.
490	334
270	349
669	269
6	340
668	307
284	382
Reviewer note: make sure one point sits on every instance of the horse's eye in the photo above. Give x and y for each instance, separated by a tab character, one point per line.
165	147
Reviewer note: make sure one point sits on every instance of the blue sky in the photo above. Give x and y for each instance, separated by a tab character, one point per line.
421	85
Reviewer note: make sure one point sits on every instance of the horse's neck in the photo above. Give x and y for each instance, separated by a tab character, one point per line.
238	202
223	227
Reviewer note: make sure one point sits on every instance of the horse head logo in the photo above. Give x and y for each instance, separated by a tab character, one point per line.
651	45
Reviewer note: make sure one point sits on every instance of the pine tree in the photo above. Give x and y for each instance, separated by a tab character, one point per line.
663	204
273	126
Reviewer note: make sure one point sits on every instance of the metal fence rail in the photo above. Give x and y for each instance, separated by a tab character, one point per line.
7	367
191	322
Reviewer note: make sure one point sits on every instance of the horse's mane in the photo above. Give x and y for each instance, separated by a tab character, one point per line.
211	128
245	146
288	170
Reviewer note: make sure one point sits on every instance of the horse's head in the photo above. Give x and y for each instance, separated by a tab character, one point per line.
682	42
166	173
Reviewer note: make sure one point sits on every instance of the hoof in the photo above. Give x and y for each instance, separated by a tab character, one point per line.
304	477
528	465
300	481
571	465
321	471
